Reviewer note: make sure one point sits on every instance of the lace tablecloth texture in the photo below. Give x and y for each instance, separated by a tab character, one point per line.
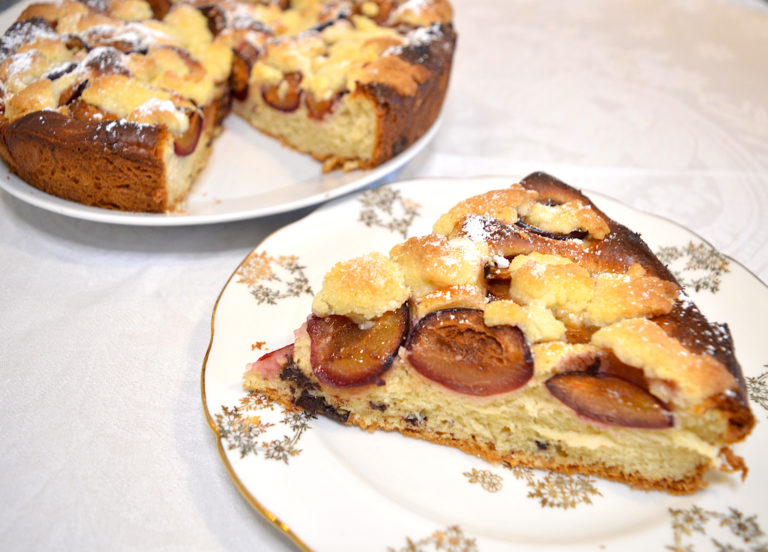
662	104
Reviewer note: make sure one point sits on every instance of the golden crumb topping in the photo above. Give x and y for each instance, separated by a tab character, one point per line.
30	62
630	295
551	281
399	74
135	101
422	12
552	356
586	299
536	321
130	10
53	11
38	95
567	217
677	375
171	69
504	205
433	262
362	288
336	58
465	296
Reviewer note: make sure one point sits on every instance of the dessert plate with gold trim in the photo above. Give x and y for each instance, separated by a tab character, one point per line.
335	488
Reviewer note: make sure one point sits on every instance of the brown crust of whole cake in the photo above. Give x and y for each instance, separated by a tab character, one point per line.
404	118
113	164
109	164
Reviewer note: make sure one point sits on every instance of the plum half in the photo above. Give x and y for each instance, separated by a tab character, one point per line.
577	234
319	109
610	400
244	56
344	354
455	348
185	143
286	94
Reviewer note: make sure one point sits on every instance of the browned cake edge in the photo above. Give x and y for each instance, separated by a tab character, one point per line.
109	164
405	119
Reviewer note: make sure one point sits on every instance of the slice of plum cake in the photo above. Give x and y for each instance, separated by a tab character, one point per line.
529	329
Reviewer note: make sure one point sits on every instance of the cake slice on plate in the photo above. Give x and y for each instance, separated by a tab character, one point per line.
528	328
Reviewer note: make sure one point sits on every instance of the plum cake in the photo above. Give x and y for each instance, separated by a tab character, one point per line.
529	329
116	103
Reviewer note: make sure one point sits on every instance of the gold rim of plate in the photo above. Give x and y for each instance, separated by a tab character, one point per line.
258	506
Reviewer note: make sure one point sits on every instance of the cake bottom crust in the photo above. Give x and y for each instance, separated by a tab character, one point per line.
688	484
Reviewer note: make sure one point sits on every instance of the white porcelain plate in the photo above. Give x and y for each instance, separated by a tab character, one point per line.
335	488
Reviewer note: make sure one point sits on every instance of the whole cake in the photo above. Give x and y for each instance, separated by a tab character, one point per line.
116	103
528	328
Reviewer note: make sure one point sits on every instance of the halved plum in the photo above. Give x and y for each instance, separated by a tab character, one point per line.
270	364
610	365
343	354
187	142
244	56
578	234
286	94
318	109
610	400
456	349
72	92
497	281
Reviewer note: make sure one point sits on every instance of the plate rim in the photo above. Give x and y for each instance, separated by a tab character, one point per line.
246	493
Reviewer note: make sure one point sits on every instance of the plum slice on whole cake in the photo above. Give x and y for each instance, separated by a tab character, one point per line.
528	328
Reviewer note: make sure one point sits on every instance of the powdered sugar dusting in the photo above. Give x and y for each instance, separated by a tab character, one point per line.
20	63
153	105
104	59
416	38
24	32
473	227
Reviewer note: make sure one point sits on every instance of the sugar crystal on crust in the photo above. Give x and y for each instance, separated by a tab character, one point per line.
551	281
631	295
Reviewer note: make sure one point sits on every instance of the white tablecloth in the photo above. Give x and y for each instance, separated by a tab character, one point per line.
662	104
